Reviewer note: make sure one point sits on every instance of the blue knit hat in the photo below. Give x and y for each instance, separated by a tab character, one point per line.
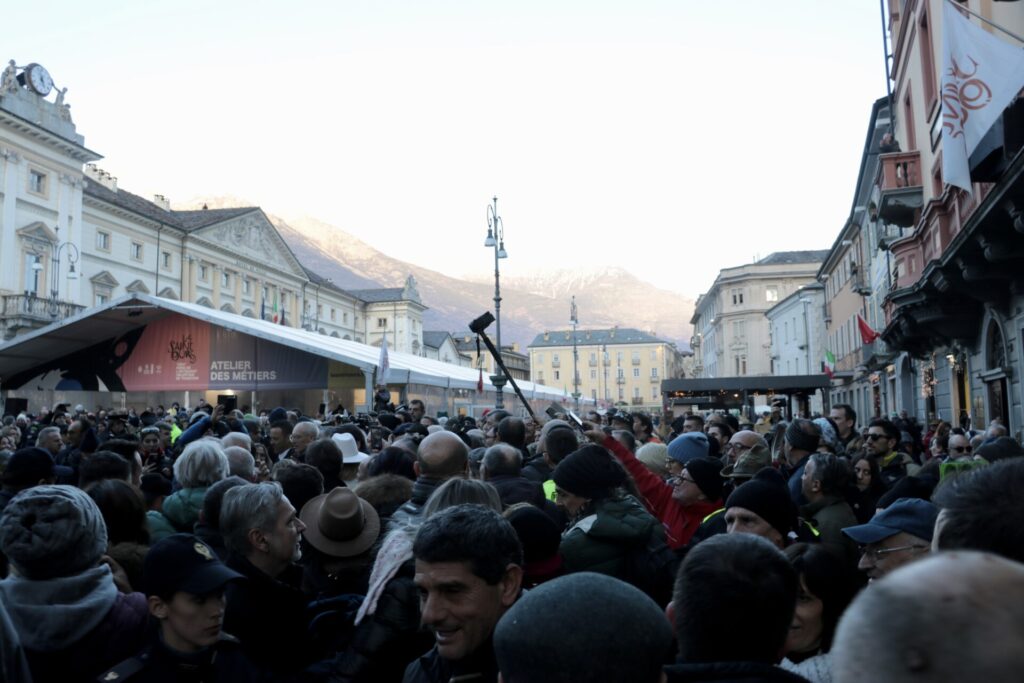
688	446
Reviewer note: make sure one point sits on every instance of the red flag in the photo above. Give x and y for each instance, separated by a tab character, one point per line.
867	335
480	382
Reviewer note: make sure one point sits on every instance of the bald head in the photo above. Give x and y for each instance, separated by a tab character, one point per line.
748	438
962	627
442	455
501	460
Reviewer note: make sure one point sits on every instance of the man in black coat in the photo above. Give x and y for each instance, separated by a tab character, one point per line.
502	469
266	610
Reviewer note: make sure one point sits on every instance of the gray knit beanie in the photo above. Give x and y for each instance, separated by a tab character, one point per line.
49	532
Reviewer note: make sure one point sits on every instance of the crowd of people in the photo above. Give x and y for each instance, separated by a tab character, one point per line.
208	544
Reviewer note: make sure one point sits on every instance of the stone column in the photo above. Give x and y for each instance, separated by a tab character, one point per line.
9	250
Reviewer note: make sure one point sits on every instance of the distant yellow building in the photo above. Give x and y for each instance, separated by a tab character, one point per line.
614	366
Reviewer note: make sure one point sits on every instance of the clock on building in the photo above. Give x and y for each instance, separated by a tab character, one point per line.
38	79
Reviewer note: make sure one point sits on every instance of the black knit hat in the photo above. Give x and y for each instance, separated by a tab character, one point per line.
540	538
707	474
590	472
767	496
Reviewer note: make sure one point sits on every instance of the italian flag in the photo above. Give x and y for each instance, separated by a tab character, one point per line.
829	366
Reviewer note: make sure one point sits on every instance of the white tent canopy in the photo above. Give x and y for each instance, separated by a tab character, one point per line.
134	310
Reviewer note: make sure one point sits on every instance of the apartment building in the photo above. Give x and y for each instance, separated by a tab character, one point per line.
953	312
732	336
617	366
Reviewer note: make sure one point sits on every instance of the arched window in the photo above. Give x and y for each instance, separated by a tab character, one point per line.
995	351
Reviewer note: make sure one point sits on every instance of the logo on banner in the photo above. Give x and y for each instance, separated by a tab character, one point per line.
182	350
962	95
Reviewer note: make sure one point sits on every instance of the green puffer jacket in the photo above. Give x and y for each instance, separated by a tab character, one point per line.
602	542
180	514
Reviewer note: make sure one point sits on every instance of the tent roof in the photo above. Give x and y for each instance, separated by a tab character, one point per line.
135	310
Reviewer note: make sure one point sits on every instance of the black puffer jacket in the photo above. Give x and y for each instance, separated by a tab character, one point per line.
388	640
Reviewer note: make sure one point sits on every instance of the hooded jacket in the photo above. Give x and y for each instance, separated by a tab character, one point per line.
73	628
681	521
603	541
180	514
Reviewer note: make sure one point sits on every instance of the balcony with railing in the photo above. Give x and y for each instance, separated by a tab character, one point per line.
855	359
901	193
24	312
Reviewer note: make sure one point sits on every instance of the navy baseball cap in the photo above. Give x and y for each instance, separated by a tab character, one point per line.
182	562
910	515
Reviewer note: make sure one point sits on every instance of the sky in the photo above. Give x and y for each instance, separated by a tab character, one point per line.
670	138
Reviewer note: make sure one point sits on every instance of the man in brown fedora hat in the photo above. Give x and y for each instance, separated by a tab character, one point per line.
341	528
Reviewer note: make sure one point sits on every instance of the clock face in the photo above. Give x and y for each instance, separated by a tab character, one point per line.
39	79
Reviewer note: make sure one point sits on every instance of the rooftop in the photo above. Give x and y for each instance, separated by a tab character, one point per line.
183	220
785	257
616	335
375	296
434	338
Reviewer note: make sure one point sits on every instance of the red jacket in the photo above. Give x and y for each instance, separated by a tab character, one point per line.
680	521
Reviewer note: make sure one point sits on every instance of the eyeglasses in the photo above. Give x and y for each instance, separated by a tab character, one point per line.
878	553
876	437
962	449
737	446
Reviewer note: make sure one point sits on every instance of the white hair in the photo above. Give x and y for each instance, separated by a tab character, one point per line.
45	432
253	506
202	463
239	439
241	462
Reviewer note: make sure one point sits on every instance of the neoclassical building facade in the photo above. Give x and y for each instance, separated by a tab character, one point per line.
71	238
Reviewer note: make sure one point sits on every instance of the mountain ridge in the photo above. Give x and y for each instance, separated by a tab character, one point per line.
531	304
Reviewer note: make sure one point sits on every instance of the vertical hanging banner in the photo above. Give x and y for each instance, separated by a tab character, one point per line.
173	353
981	74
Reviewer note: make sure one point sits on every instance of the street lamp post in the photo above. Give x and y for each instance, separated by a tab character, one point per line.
574	319
55	251
496	240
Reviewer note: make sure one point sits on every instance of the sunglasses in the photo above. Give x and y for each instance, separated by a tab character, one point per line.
962	449
875	437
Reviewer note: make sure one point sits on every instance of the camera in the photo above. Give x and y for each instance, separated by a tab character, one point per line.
481	323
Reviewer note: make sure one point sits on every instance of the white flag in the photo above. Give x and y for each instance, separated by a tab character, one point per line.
981	75
382	363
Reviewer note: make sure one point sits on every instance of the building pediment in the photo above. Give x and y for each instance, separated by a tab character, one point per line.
255	239
38	231
104	279
137	287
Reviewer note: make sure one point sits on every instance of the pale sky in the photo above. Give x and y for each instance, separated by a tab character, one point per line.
670	138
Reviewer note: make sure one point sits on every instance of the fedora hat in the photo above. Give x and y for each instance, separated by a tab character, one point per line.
350	454
340	523
747	465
